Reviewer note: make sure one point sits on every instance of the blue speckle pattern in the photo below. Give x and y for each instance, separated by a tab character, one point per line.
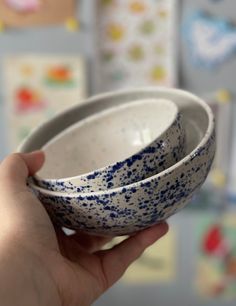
158	156
130	209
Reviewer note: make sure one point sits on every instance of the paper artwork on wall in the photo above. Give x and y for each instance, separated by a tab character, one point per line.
136	42
216	265
210	40
59	76
26	13
37	87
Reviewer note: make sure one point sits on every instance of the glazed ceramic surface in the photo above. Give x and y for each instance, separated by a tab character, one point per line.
137	206
131	142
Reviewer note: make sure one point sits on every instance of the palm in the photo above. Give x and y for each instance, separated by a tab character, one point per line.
69	259
80	271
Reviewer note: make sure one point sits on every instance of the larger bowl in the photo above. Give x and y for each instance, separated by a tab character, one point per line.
130	142
125	210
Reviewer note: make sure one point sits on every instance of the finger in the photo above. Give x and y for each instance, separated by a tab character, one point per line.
117	260
17	167
34	161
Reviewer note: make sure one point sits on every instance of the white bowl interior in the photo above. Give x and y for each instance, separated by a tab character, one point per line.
194	136
195	116
107	137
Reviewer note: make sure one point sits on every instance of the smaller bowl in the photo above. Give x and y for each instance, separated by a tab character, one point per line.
125	144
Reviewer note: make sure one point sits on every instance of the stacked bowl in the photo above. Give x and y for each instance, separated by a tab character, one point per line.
124	161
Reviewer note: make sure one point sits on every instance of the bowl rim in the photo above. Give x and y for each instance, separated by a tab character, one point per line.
170	125
209	132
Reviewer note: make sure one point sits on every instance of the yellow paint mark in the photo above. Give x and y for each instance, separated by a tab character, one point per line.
218	178
27	70
137	7
158	73
224	96
116	32
72	25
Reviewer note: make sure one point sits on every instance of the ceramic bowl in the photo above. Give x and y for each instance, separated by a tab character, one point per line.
124	144
125	210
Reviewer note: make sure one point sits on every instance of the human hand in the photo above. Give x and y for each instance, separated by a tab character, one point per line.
57	270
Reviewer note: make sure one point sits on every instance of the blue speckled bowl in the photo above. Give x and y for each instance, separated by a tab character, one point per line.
125	210
134	141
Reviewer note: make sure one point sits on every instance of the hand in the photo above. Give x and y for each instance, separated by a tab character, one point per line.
58	270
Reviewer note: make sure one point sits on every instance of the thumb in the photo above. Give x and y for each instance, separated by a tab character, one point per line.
17	167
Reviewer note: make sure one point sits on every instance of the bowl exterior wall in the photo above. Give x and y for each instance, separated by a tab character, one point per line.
132	209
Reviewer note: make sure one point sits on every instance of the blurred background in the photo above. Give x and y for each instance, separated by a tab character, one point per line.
55	53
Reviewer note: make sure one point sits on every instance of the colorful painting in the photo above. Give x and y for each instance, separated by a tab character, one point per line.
59	75
37	88
216	268
210	40
26	13
28	100
136	43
